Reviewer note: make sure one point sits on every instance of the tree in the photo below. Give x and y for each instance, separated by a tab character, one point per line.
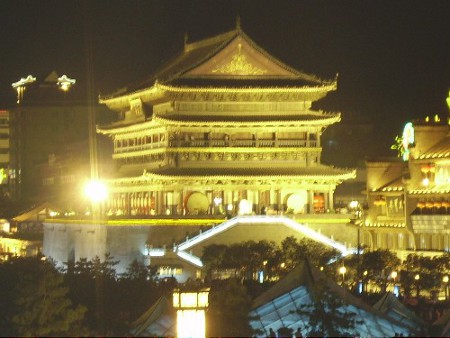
326	314
293	252
43	307
379	264
229	306
133	294
428	269
213	257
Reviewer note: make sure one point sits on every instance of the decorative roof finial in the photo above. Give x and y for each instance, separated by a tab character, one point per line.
185	39
238	23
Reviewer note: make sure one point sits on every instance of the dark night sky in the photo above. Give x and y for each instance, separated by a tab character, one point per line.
393	57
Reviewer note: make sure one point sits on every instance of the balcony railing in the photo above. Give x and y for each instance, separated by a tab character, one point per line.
140	147
219	144
242	143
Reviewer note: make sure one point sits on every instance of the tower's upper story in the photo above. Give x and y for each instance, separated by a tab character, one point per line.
220	100
225	77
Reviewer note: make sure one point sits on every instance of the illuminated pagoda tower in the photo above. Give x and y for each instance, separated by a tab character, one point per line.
223	128
220	146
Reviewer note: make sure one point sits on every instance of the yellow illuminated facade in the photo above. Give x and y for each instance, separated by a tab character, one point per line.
409	199
15	247
222	129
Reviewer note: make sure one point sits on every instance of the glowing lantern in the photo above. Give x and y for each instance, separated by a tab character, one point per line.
191	307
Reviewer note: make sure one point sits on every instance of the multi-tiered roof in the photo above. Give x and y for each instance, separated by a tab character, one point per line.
226	63
221	73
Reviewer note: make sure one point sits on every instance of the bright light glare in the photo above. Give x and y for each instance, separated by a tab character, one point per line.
191	323
65	82
188	299
296	203
96	191
217	201
245	207
353	204
53	213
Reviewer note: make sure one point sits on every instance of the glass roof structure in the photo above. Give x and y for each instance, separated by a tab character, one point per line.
279	308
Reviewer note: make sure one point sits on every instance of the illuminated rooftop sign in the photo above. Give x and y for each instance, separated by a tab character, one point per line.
407	140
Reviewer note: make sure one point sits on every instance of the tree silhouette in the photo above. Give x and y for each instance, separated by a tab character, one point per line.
326	314
229	306
42	305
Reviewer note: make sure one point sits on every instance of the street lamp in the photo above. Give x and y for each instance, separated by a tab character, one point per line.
356	207
191	306
97	193
417	278
394	275
342	271
445	279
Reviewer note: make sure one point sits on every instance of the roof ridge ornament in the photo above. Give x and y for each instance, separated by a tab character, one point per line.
238	23
186	37
239	65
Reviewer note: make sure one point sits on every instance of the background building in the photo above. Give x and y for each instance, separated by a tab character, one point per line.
49	126
5	157
409	197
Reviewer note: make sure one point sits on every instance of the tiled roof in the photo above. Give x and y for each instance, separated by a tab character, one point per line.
395	185
440	150
249	118
241	82
254	171
194	54
421	190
